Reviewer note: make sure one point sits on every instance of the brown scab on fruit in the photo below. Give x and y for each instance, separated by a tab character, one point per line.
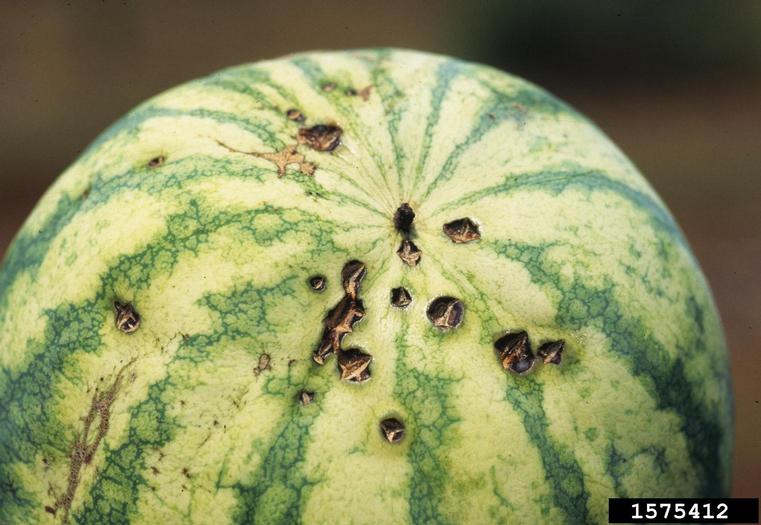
409	253
514	351
306	397
322	137
353	365
317	283
156	161
264	364
351	276
446	312
341	319
462	231
404	217
392	429
127	318
282	159
400	297
551	352
295	115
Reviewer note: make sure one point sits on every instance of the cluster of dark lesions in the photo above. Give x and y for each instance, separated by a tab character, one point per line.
353	364
408	251
127	319
349	91
515	353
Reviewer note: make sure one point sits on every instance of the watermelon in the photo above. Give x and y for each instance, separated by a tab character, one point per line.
376	286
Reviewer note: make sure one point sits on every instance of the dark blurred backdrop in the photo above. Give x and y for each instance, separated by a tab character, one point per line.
677	85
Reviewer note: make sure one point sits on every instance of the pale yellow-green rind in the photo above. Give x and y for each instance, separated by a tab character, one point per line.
215	251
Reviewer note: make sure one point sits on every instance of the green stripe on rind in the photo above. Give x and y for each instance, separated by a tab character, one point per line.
561	468
423	394
568	176
581	305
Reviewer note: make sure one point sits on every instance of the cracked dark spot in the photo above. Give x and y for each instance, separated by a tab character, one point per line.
400	297
322	137
306	397
351	277
127	318
295	115
157	161
514	350
264	364
551	352
462	231
446	312
328	86
392	429
403	218
409	253
317	283
354	365
341	319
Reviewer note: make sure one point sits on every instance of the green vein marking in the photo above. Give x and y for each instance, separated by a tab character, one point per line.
581	305
497	109
571	176
394	104
563	472
425	397
445	74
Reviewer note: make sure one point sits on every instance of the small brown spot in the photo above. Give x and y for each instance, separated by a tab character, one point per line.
155	471
127	318
364	93
392	429
551	352
446	312
50	510
328	86
351	92
264	364
514	351
85	193
322	137
351	277
155	162
306	397
317	283
462	230
400	297
409	253
186	472
215	423
404	217
353	364
295	115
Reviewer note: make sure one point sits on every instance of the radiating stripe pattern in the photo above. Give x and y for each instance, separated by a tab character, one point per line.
208	209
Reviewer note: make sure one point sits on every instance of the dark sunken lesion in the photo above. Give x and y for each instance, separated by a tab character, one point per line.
400	297
403	218
446	312
156	161
317	283
462	230
321	137
551	352
514	351
127	319
306	397
409	253
392	429
354	365
295	115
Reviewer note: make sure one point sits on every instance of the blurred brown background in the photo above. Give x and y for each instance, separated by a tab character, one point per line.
677	85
